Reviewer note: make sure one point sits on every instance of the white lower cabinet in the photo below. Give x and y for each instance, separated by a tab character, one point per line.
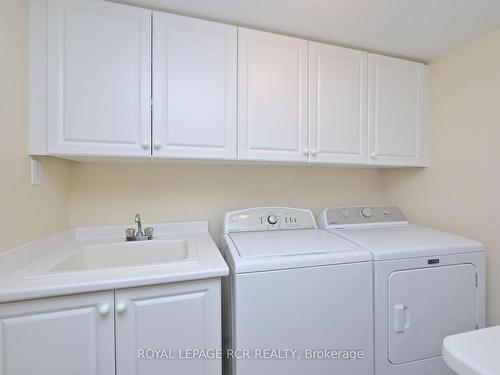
172	319
64	335
76	335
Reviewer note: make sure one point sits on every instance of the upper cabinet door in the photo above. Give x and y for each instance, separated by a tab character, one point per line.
397	111
337	104
272	100
194	88
99	78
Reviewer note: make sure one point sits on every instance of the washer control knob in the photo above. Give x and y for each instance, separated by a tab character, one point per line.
367	212
272	219
345	213
387	212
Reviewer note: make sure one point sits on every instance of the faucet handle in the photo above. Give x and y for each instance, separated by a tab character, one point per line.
130	234
137	218
148	232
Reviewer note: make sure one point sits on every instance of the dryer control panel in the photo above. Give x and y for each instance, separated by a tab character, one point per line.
364	215
268	219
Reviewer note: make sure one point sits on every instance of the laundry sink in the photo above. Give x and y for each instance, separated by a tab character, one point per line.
125	254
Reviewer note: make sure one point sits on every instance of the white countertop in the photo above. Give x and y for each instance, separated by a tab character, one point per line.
24	270
474	353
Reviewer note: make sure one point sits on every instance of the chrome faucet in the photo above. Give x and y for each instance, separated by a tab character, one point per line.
140	235
139	225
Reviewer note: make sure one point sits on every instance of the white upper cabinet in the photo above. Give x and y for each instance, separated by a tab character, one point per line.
108	79
397	112
337	104
272	100
99	75
194	88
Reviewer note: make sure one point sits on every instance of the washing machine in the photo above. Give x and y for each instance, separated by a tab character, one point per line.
297	293
428	284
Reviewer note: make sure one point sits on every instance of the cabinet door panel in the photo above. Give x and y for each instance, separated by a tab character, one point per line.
173	317
397	111
337	104
194	83
63	335
99	59
272	100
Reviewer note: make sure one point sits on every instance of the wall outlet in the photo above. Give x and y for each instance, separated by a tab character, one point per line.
36	172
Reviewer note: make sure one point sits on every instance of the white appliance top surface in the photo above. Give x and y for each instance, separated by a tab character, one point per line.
474	352
291	242
404	241
385	231
273	250
278	238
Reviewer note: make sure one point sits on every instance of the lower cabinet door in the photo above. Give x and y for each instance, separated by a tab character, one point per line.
64	335
169	329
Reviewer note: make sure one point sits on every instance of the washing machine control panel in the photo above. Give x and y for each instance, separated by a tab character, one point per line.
363	215
268	219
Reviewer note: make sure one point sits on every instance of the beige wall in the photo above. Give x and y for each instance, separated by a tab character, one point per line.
460	191
113	193
27	212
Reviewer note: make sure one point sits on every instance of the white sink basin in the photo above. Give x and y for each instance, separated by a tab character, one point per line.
125	254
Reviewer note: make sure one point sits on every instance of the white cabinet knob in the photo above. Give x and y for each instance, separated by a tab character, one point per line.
314	152
104	309
121	307
157	145
373	155
305	151
145	144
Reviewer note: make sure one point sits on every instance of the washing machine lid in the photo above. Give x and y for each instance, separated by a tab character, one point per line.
408	241
292	242
277	238
266	250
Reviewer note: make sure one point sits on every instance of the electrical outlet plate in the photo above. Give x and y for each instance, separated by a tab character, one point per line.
36	172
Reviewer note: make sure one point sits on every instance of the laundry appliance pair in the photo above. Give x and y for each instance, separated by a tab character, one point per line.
365	293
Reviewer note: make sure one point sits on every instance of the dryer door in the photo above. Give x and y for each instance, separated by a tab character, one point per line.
425	306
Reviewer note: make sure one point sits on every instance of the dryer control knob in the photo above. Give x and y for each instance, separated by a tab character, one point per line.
272	219
367	212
